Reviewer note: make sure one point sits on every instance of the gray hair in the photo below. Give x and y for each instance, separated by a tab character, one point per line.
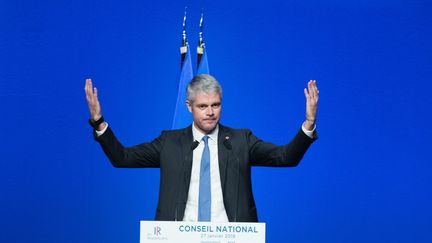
202	83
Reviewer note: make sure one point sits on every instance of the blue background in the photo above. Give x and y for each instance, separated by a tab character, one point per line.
366	179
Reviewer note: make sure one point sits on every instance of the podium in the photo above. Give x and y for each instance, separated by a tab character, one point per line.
201	232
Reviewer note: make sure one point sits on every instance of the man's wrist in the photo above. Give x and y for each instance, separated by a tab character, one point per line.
96	117
98	124
102	126
309	125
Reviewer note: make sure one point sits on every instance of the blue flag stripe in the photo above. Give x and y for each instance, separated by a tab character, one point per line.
182	117
203	67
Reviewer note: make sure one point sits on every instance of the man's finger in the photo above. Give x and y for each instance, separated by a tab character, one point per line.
88	85
91	92
314	87
88	82
306	93
95	93
87	91
317	91
310	88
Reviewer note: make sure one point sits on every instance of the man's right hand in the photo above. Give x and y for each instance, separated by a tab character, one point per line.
93	103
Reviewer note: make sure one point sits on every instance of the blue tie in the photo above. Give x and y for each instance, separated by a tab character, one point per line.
204	201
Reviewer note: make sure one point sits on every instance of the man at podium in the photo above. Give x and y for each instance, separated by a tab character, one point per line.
205	168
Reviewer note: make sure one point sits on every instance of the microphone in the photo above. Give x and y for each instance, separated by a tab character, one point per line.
193	146
227	143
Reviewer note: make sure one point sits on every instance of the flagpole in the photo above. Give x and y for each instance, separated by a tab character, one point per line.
201	44
184	46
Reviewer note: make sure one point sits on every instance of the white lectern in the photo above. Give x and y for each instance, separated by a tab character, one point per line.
202	232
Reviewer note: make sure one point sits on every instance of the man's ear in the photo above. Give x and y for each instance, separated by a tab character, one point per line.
189	106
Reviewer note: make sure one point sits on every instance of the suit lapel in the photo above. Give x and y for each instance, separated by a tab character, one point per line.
223	154
186	141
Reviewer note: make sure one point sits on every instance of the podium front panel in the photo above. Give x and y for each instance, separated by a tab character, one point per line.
201	232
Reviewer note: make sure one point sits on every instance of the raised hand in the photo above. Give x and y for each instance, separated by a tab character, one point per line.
92	100
311	94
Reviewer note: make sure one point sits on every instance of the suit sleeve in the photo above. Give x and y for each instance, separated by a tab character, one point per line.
267	154
142	155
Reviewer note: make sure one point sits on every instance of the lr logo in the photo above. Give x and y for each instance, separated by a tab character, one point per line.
157	231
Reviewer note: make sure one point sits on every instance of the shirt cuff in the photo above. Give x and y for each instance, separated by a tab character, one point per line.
99	133
307	132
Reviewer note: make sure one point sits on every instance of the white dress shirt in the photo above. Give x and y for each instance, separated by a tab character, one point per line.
218	213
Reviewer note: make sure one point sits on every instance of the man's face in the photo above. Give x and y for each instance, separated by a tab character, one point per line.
206	110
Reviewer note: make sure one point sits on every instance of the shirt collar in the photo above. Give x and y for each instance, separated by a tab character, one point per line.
198	135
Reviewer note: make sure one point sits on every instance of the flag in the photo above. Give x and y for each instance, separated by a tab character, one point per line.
182	116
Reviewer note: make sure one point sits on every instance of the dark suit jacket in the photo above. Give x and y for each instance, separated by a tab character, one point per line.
238	150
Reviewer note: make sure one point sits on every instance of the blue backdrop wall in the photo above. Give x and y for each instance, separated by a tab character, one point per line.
367	178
